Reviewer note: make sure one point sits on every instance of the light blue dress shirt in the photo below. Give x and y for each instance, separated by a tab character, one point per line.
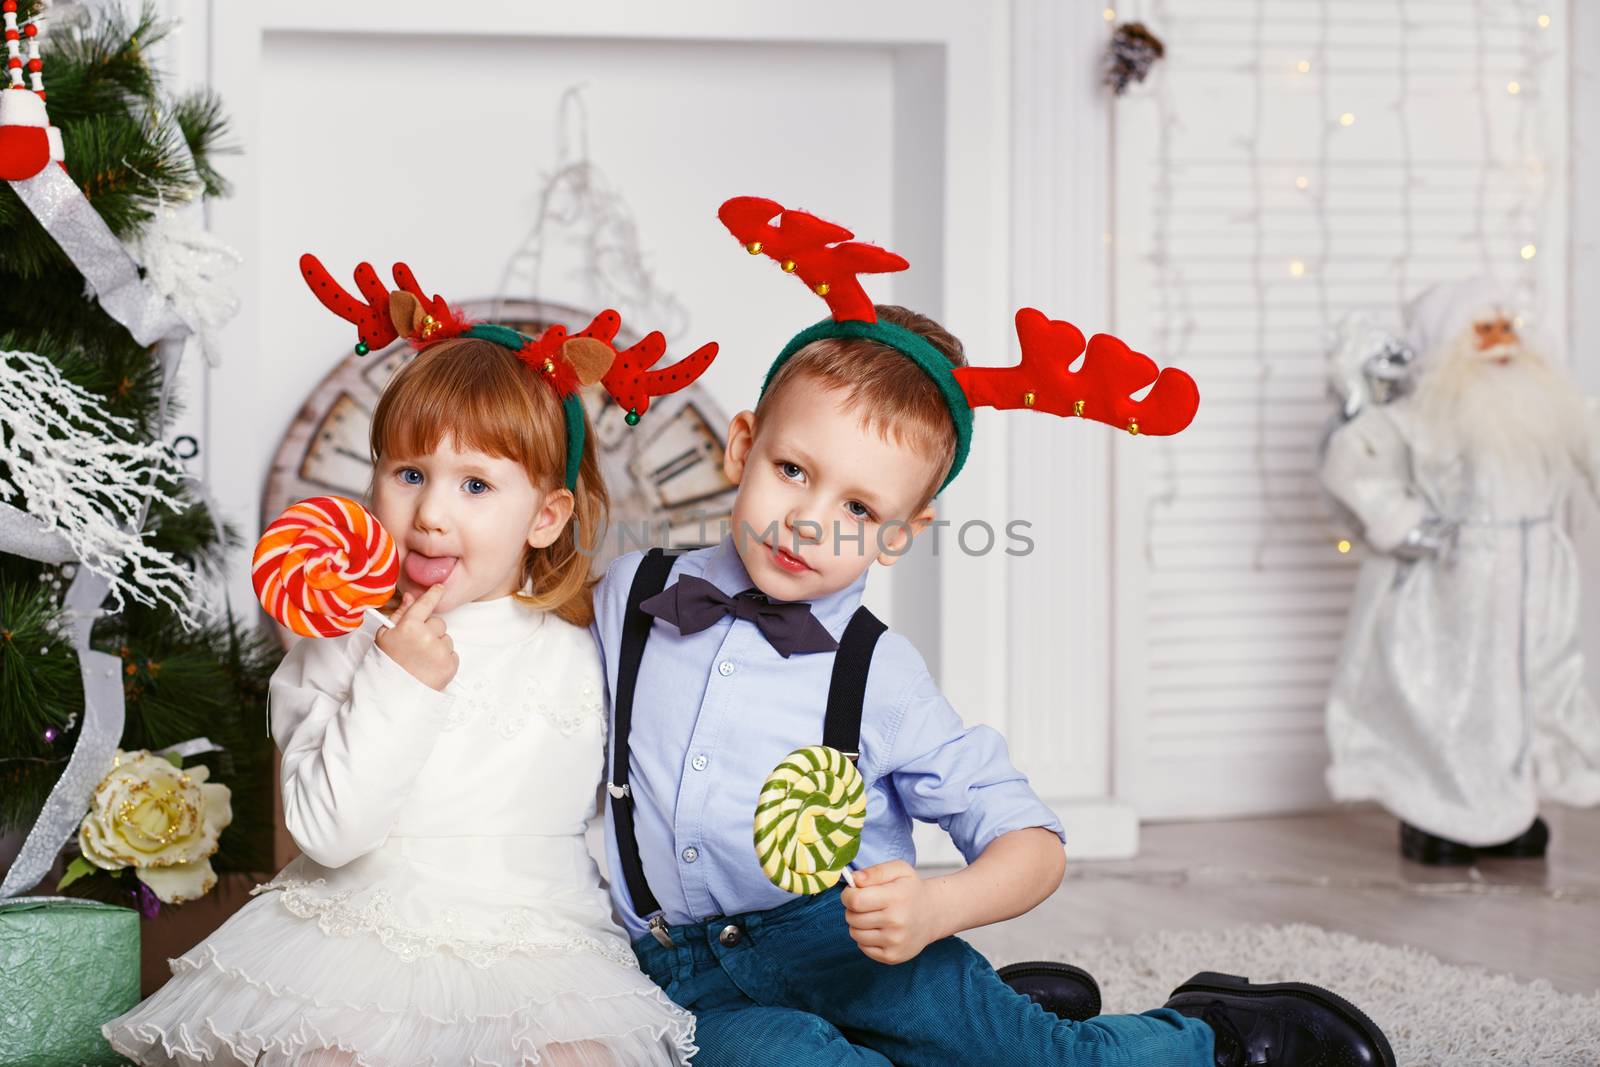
715	711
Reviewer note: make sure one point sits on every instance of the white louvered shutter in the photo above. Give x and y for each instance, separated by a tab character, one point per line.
1290	162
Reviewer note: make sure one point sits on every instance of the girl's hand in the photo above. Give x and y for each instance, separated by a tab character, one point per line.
892	914
417	640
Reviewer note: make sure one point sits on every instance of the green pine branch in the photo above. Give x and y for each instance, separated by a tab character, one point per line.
204	126
131	148
101	69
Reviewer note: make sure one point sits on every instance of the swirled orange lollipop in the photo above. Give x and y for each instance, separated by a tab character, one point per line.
322	564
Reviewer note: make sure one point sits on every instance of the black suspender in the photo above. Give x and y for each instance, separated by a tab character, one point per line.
841	728
848	687
649	580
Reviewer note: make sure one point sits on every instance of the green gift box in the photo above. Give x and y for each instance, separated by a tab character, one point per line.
66	966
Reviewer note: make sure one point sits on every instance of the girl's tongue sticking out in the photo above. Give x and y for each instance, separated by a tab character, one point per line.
428	570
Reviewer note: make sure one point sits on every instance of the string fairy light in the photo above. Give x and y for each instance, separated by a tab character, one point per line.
1322	231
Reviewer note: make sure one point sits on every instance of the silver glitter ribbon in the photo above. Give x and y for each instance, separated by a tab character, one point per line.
103	713
108	268
114	277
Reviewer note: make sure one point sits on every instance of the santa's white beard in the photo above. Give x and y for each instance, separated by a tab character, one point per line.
1520	419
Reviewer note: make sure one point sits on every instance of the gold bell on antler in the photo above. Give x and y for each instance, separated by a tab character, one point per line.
822	288
1133	427
1027	398
788	266
1077	408
549	366
430	326
754	248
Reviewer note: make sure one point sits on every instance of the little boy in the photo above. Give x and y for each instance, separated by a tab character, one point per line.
723	660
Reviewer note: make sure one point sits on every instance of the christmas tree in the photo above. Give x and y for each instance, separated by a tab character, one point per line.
84	420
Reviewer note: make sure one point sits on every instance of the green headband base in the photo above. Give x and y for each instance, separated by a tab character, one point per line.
572	408
914	347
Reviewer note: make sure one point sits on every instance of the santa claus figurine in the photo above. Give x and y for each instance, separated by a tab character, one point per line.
1458	701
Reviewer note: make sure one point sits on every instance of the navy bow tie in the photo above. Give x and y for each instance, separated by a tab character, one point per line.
692	604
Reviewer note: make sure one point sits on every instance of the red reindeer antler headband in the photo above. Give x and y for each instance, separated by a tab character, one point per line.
565	362
826	258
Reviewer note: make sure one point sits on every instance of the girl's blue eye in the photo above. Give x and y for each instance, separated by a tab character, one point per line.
410	475
475	486
858	509
790	470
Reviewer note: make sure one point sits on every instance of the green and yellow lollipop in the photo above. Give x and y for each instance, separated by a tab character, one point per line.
809	819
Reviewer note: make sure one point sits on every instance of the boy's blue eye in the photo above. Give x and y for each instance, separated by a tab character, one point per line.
790	470
475	486
410	475
858	509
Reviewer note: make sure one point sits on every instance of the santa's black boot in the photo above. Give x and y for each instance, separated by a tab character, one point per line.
1433	850
1060	988
1281	1024
1528	845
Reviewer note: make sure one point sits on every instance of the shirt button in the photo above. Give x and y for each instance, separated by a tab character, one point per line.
725	668
700	763
691	854
730	935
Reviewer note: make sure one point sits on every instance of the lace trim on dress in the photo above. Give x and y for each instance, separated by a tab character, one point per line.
337	915
476	702
586	709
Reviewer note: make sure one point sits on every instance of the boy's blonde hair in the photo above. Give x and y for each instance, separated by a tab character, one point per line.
894	395
485	398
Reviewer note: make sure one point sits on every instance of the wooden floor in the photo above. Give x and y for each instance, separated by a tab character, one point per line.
1341	871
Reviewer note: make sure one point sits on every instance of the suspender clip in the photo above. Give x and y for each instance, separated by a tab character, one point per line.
618	791
660	931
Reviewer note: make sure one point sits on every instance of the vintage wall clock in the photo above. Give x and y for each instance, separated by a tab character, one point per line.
665	474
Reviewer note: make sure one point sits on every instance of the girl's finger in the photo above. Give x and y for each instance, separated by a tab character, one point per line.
422	610
400	612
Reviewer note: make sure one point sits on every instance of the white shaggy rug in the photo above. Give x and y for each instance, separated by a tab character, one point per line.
1434	1013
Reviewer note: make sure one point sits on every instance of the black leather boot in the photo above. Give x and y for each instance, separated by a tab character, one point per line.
1068	991
1528	845
1433	850
1282	1024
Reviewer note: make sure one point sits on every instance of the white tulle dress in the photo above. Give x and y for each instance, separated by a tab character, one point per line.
445	909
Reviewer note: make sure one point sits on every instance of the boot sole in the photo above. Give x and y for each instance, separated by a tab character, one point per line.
1435	856
1049	967
1214	982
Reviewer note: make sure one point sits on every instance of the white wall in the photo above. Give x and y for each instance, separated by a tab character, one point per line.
898	119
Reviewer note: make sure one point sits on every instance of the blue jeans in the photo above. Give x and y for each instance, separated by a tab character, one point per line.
794	989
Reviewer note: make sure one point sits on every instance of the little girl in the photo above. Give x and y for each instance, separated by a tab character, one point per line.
437	774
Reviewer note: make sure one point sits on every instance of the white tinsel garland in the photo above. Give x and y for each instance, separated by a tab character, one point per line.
186	264
71	464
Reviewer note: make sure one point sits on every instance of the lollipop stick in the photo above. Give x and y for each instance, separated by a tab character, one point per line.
849	879
383	620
